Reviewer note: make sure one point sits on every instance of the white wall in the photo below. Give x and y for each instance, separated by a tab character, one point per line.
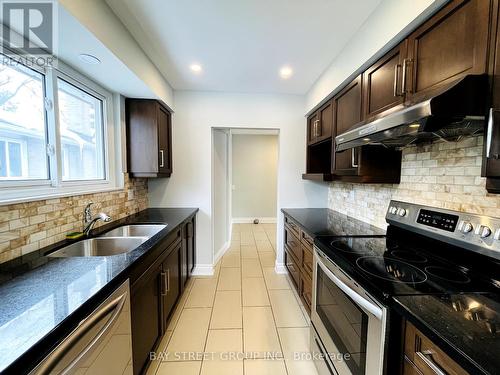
220	190
255	171
390	21
99	19
190	184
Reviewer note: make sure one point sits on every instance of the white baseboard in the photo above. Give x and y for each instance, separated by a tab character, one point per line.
249	220
203	270
280	268
221	251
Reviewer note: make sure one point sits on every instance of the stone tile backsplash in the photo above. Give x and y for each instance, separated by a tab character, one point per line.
27	227
440	174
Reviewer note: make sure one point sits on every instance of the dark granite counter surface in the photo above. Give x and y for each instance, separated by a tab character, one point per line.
42	299
326	222
465	326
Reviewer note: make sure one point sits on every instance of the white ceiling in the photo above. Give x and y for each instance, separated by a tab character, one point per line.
242	44
112	73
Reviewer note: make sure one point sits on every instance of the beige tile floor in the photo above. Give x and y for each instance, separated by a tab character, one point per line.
246	319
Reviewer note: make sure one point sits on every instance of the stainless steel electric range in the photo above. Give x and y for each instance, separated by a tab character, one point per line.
426	251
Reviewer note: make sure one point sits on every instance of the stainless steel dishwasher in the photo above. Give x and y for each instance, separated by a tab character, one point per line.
101	344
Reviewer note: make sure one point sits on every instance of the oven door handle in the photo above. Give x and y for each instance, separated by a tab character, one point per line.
361	301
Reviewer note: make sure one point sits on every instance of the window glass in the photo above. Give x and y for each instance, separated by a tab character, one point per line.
81	132
3	160
22	124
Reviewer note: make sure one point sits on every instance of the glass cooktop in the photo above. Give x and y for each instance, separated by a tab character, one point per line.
390	266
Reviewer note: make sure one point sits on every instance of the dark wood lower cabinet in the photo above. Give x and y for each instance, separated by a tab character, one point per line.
156	291
191	245
293	268
146	320
422	356
299	260
171	283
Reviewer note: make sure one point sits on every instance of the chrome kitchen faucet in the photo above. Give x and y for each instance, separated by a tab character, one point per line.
89	220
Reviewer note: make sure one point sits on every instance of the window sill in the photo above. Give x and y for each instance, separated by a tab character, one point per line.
53	193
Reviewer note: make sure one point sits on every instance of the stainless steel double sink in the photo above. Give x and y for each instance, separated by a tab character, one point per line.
117	241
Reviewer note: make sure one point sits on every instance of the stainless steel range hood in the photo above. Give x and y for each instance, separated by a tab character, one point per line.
453	111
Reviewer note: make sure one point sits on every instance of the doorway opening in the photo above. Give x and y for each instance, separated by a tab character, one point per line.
244	190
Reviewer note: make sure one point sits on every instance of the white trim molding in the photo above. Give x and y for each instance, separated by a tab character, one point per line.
249	220
280	268
203	270
220	253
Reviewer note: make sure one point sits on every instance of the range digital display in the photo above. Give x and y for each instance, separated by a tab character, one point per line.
438	220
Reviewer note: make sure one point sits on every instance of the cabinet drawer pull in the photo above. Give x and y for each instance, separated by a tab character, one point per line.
426	356
162	159
396	77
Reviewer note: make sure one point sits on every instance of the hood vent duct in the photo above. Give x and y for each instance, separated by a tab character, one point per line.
453	111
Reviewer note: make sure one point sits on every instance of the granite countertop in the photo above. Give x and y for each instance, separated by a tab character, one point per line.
42	299
326	222
465	326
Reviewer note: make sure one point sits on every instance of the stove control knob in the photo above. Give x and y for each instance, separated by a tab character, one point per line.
402	212
484	231
467	227
393	210
497	234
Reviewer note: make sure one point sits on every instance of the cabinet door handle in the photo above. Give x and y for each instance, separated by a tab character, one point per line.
167	280
316	129
426	356
162	159
164	289
406	62
396	77
354	164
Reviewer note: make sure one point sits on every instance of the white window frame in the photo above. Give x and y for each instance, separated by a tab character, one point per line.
14	191
24	165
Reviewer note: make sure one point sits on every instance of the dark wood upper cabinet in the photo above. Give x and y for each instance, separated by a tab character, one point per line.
320	124
461	38
491	159
347	113
149	138
361	164
382	83
451	44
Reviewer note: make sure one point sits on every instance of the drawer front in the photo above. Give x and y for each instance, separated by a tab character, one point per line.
427	356
306	291
293	227
293	244
307	261
307	240
409	368
293	269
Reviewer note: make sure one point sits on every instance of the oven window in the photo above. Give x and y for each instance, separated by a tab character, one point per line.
345	322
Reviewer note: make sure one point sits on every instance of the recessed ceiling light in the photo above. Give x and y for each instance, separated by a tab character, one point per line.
196	68
286	72
366	139
89	59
